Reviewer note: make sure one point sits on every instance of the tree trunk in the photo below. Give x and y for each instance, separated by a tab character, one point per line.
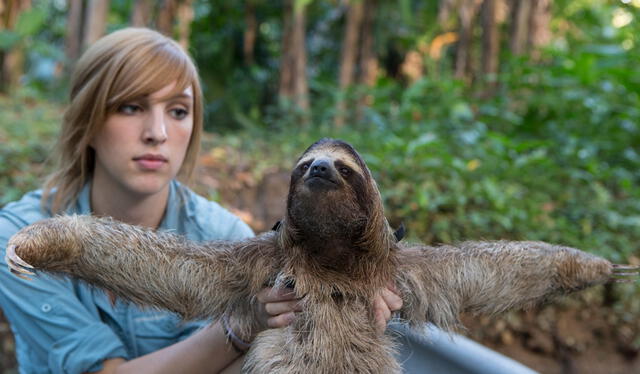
368	60
75	25
349	54
520	26
445	8
96	21
12	61
349	57
286	59
184	17
141	14
164	22
293	63
250	32
300	87
539	33
468	11
490	38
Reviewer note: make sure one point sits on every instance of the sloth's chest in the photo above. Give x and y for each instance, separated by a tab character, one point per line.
326	337
326	284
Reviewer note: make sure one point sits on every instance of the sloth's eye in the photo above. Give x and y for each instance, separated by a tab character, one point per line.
304	166
345	171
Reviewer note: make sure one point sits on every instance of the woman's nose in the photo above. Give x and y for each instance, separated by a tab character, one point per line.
155	129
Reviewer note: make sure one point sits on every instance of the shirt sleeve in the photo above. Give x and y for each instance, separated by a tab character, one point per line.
207	220
51	320
189	328
239	230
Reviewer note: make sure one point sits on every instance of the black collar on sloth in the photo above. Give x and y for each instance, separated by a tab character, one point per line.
277	226
400	232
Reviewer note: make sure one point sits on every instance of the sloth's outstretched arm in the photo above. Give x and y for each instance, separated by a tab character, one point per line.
196	280
491	277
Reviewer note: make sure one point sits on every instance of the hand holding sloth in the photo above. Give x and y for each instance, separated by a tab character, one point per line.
335	246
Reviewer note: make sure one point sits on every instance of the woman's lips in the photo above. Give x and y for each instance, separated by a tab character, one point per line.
150	162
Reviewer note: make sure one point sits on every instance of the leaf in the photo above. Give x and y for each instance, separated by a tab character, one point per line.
473	164
461	111
422	141
8	39
299	5
30	22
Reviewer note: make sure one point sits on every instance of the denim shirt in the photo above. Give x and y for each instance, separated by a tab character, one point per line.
63	325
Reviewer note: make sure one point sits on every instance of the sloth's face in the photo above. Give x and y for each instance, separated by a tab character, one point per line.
330	170
327	169
329	193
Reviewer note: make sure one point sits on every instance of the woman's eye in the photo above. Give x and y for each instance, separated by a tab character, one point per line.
179	113
129	109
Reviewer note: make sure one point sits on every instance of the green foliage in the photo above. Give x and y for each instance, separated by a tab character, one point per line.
27	130
29	23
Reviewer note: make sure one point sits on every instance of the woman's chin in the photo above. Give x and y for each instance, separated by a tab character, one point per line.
149	185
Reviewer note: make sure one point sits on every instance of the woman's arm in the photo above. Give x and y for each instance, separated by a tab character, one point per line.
206	351
209	350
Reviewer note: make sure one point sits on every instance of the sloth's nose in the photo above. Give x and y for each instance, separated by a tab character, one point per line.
320	168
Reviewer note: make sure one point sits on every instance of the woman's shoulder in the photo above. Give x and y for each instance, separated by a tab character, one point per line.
23	212
208	220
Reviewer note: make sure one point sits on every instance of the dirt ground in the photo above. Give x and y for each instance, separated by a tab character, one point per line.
580	334
561	339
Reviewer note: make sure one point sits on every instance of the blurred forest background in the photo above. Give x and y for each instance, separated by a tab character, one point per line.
481	119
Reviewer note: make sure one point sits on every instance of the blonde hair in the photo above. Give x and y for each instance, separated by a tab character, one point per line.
122	66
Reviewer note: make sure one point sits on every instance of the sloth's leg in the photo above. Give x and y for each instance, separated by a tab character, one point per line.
492	277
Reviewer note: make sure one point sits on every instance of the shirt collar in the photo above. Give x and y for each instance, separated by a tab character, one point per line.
170	220
83	203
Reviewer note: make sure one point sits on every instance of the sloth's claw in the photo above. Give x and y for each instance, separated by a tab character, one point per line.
19	275
11	251
625	274
626	267
18	266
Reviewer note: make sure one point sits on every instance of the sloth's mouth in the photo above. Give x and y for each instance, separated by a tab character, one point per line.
318	181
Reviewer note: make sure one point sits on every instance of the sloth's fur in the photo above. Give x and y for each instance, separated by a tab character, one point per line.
336	246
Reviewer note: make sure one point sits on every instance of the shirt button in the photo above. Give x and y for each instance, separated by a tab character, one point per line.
45	308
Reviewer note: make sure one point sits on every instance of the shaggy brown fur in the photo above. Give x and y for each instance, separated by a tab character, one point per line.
337	247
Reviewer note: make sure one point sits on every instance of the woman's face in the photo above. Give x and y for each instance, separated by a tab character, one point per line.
142	145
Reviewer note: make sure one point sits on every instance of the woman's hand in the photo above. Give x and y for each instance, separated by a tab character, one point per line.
385	303
279	306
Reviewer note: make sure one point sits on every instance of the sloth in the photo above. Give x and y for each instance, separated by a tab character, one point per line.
335	248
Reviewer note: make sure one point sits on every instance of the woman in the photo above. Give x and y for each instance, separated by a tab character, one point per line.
132	127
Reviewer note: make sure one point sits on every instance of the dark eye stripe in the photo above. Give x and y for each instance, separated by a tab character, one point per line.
305	165
343	168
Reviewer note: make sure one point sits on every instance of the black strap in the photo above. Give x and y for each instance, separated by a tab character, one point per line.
400	232
276	227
